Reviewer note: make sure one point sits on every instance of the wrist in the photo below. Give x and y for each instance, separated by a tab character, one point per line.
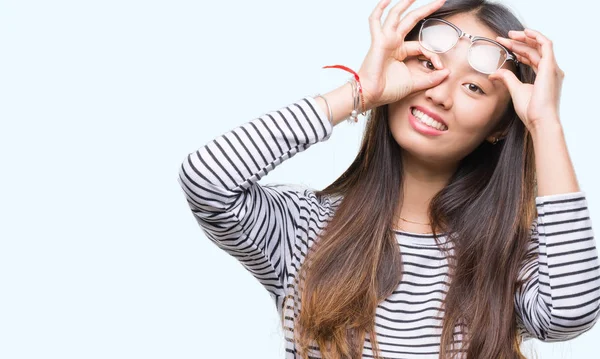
339	101
369	98
369	103
545	128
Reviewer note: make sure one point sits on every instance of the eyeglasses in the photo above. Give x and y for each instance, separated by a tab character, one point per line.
485	55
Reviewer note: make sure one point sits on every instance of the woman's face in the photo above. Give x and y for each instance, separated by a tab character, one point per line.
467	101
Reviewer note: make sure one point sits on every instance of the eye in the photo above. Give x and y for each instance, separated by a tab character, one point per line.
471	86
427	63
474	88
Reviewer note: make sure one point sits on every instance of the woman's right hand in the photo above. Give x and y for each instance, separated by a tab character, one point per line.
383	75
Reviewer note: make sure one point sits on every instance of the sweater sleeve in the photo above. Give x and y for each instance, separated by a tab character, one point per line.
560	300
255	223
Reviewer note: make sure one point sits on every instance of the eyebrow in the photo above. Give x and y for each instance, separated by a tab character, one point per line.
485	77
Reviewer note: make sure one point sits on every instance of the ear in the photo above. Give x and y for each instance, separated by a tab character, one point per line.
492	136
500	130
500	134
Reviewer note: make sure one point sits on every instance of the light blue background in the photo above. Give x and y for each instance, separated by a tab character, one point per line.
100	102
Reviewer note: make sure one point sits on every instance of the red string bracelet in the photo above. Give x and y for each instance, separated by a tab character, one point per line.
362	98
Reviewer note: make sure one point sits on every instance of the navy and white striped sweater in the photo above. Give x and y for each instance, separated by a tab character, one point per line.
269	228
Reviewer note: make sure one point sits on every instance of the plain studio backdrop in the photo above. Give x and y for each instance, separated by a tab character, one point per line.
101	101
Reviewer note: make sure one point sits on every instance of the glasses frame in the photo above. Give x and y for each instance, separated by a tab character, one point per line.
509	55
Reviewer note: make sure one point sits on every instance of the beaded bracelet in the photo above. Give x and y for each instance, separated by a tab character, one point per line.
356	93
355	96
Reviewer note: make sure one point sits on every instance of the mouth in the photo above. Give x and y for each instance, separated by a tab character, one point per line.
428	119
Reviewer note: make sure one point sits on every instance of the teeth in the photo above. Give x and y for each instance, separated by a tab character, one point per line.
428	120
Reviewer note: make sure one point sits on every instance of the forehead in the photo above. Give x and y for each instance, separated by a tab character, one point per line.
470	23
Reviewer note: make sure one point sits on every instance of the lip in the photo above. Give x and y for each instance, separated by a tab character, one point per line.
421	127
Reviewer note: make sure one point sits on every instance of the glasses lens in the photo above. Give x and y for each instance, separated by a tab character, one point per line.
486	56
437	36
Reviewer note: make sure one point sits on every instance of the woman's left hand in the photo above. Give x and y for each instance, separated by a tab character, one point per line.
538	103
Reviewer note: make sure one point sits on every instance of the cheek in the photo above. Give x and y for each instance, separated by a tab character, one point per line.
476	119
398	115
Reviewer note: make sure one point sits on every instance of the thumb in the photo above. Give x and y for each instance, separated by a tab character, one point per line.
432	79
508	78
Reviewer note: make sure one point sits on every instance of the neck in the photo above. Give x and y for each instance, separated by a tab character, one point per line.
421	182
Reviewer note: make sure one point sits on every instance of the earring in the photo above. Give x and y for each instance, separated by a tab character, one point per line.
496	139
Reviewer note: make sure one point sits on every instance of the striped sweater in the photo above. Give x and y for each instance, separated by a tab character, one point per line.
269	229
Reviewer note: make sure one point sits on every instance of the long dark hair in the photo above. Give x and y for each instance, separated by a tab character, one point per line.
487	210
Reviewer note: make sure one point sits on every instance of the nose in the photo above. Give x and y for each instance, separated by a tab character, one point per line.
456	61
441	95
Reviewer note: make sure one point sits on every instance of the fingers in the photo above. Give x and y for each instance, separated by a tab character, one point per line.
393	17
509	79
526	61
533	49
423	82
413	48
431	79
375	17
525	52
545	43
520	36
413	17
